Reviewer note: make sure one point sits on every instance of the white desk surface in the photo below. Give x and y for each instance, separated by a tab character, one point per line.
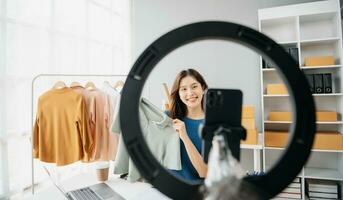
128	190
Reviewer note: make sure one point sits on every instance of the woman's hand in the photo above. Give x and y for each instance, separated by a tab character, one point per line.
180	128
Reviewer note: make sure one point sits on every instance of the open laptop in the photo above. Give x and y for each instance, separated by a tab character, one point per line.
99	191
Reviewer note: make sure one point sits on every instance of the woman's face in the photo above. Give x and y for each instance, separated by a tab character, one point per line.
190	92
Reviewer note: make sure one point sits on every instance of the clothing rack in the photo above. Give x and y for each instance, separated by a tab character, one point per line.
33	104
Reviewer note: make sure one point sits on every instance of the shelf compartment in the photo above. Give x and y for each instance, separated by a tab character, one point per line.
282	30
323	173
327	23
321	48
325	165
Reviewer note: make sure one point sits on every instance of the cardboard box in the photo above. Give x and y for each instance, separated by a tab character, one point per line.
328	141
319	60
248	112
277	88
326	116
287	116
280	116
252	137
275	138
248	124
323	140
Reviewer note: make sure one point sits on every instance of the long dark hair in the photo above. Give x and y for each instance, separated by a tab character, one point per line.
178	109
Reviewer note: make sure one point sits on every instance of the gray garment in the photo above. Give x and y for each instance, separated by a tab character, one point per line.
160	136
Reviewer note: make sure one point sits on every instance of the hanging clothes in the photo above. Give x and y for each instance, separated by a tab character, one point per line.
61	130
114	97
160	136
100	110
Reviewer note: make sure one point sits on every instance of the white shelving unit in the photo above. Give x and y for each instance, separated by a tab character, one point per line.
315	29
251	156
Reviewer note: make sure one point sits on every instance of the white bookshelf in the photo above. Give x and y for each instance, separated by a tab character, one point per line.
251	155
315	29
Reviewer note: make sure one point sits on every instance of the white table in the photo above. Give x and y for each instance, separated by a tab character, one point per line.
126	189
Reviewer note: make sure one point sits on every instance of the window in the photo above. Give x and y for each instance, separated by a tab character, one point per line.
51	36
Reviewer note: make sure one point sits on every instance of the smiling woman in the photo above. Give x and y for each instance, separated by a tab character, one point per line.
187	113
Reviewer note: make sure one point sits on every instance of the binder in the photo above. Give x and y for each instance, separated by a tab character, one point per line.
318	83
327	82
310	80
293	51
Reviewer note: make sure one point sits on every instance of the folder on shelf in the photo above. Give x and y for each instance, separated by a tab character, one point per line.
293	51
310	80
326	186
327	79
323	195
318	83
289	195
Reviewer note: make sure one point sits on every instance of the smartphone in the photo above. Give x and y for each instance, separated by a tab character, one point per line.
222	107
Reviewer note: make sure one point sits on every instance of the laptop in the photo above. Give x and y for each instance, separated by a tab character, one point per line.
100	191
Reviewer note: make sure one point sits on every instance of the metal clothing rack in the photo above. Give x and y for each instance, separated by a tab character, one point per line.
32	106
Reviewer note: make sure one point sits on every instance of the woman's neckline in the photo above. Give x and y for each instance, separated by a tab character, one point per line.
193	118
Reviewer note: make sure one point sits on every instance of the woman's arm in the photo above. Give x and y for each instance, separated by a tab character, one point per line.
195	157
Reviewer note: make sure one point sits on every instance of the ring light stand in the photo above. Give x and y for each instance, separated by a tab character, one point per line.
302	130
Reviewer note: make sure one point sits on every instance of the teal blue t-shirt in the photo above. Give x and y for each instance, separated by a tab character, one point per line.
188	171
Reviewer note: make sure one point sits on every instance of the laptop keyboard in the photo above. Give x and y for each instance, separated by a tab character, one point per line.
85	194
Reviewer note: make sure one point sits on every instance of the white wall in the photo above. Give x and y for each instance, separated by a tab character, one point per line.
223	64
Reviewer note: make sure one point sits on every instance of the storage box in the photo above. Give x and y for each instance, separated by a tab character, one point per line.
248	112
280	116
323	140
319	60
275	138
287	116
329	141
277	88
248	123
326	116
252	137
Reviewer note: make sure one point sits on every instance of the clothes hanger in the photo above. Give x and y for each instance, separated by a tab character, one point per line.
75	84
59	85
90	85
119	83
166	94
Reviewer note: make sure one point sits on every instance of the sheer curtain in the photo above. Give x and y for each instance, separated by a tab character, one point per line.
51	36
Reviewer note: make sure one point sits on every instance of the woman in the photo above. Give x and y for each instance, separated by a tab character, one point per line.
187	113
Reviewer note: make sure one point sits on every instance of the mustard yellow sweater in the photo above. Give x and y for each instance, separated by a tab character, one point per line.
61	131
